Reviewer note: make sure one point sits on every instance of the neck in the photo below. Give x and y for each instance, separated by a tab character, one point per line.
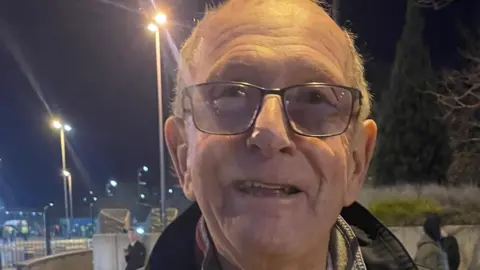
314	259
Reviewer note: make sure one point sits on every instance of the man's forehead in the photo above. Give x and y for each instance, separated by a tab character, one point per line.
273	31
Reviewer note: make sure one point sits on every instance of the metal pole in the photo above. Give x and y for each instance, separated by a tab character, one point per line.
336	10
48	237
160	124
64	168
71	198
92	217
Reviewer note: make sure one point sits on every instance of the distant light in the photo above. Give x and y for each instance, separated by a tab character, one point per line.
84	199
91	192
161	18
21	213
113	183
56	124
152	27
6	212
94	199
67	127
34	214
66	173
170	190
140	230
51	204
145	168
142	196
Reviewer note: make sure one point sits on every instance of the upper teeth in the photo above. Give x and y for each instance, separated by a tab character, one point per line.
253	184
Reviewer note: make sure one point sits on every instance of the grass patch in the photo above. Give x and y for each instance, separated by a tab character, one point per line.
406	205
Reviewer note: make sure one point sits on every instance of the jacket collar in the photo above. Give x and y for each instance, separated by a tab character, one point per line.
378	247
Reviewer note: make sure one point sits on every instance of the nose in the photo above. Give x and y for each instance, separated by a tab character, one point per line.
270	132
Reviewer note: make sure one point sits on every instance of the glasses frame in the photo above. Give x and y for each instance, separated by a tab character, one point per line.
356	97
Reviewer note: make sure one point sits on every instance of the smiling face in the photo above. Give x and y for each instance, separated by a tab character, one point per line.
269	191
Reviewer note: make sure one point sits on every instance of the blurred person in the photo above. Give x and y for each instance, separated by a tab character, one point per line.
270	138
430	253
452	249
135	253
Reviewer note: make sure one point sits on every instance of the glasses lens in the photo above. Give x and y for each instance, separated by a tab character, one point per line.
224	108
319	110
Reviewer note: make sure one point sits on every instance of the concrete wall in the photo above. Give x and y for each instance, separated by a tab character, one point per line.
74	260
468	239
108	249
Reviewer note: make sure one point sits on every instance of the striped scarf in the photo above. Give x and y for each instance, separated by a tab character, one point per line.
344	250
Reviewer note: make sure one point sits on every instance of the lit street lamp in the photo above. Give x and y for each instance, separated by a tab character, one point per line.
108	187
57	124
160	20
91	200
140	183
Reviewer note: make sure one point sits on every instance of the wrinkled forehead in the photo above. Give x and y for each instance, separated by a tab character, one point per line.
271	44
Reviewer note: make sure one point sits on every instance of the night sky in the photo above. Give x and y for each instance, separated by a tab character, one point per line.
94	65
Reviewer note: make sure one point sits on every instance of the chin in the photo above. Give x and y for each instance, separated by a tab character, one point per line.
268	236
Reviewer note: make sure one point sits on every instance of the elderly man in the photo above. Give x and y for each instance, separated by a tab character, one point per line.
270	139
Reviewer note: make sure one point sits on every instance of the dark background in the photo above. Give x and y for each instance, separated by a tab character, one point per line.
93	64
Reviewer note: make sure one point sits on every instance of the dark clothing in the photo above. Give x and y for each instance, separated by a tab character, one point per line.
176	249
135	256
432	228
450	246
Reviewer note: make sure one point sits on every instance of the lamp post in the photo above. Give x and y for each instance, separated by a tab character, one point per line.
108	187
70	196
46	224
57	124
140	183
91	200
160	20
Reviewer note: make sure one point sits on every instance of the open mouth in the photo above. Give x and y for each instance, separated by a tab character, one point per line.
256	188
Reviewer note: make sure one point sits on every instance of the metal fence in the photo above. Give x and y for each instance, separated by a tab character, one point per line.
13	252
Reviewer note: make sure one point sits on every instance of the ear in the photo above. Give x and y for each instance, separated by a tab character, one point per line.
177	144
363	147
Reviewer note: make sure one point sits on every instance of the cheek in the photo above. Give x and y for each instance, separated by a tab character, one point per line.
328	158
203	161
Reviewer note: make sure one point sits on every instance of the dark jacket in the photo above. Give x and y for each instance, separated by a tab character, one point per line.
381	250
450	246
135	256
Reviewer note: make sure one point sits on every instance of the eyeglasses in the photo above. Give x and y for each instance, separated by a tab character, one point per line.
312	109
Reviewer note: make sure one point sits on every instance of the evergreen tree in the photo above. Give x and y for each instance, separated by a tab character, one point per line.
412	142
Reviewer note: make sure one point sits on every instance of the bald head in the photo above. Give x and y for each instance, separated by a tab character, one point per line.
276	30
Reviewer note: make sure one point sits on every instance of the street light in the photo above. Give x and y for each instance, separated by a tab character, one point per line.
70	195
113	183
108	187
160	20
46	224
57	124
152	27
